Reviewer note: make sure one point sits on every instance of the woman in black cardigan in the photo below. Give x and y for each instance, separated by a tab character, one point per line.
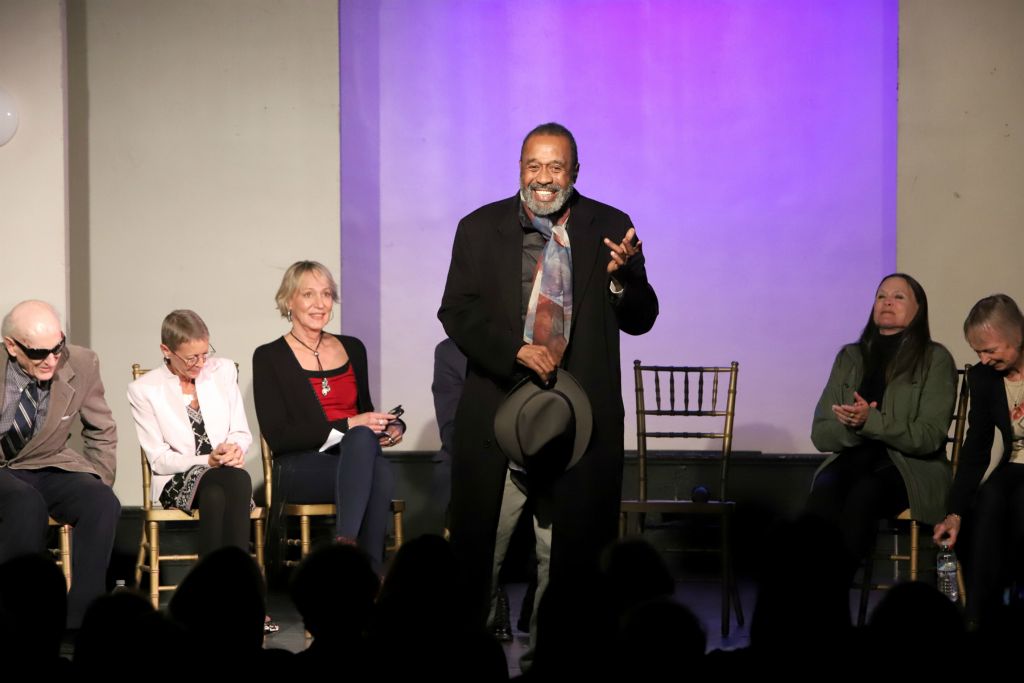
314	408
993	512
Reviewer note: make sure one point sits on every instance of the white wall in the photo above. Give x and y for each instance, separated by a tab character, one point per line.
212	162
961	156
33	216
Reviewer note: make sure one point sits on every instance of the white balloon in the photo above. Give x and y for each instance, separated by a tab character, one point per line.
8	117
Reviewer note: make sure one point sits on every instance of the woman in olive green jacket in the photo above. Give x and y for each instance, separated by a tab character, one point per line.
884	415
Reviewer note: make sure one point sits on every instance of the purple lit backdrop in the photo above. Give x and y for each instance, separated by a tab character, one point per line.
752	143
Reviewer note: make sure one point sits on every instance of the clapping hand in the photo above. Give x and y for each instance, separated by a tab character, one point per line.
854	415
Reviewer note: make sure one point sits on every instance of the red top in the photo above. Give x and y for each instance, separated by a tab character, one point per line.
340	401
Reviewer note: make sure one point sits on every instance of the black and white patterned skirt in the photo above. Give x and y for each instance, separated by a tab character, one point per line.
180	491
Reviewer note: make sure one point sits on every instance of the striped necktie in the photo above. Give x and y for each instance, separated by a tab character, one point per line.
24	418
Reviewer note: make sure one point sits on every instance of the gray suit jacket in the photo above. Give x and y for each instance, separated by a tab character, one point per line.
76	391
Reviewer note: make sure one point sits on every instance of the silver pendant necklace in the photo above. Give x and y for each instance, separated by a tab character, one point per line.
325	387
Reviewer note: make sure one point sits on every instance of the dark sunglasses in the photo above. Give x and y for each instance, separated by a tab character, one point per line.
41	354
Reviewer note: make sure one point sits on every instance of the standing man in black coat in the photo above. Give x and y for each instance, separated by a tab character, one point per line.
543	280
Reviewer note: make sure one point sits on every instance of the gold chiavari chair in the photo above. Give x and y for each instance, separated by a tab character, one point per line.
63	550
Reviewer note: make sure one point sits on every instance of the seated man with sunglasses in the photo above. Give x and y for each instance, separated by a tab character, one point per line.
47	385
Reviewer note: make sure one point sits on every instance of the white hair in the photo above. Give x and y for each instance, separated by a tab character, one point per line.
9	325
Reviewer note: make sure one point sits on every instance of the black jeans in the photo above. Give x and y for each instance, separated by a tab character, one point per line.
355	476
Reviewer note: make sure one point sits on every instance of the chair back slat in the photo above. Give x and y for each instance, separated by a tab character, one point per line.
714	393
671	392
657	390
730	417
700	391
147	473
687	391
268	478
641	427
963	399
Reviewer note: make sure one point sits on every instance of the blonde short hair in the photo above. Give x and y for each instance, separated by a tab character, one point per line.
290	283
182	326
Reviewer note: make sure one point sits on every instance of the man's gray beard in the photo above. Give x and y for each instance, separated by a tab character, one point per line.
546	208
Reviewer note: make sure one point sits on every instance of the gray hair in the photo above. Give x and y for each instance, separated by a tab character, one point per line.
7	328
999	312
182	326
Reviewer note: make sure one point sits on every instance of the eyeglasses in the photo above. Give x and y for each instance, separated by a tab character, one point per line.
195	360
41	354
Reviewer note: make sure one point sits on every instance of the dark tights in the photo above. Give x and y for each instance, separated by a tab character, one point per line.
992	540
222	499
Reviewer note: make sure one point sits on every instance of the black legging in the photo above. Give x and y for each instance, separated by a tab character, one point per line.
854	491
222	499
992	539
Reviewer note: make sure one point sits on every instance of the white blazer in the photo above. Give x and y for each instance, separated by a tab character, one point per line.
162	424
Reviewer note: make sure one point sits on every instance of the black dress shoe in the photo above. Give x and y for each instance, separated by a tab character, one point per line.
501	629
67	642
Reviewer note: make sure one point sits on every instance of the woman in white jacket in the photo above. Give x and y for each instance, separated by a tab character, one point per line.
191	424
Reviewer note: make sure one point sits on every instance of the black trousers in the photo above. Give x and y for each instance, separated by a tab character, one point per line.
853	492
28	497
222	499
993	540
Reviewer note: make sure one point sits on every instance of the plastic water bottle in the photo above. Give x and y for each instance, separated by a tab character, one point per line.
945	570
119	586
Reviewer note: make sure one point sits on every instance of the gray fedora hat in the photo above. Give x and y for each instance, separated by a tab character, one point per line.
552	423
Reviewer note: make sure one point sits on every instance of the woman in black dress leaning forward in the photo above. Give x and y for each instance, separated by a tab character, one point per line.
993	512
